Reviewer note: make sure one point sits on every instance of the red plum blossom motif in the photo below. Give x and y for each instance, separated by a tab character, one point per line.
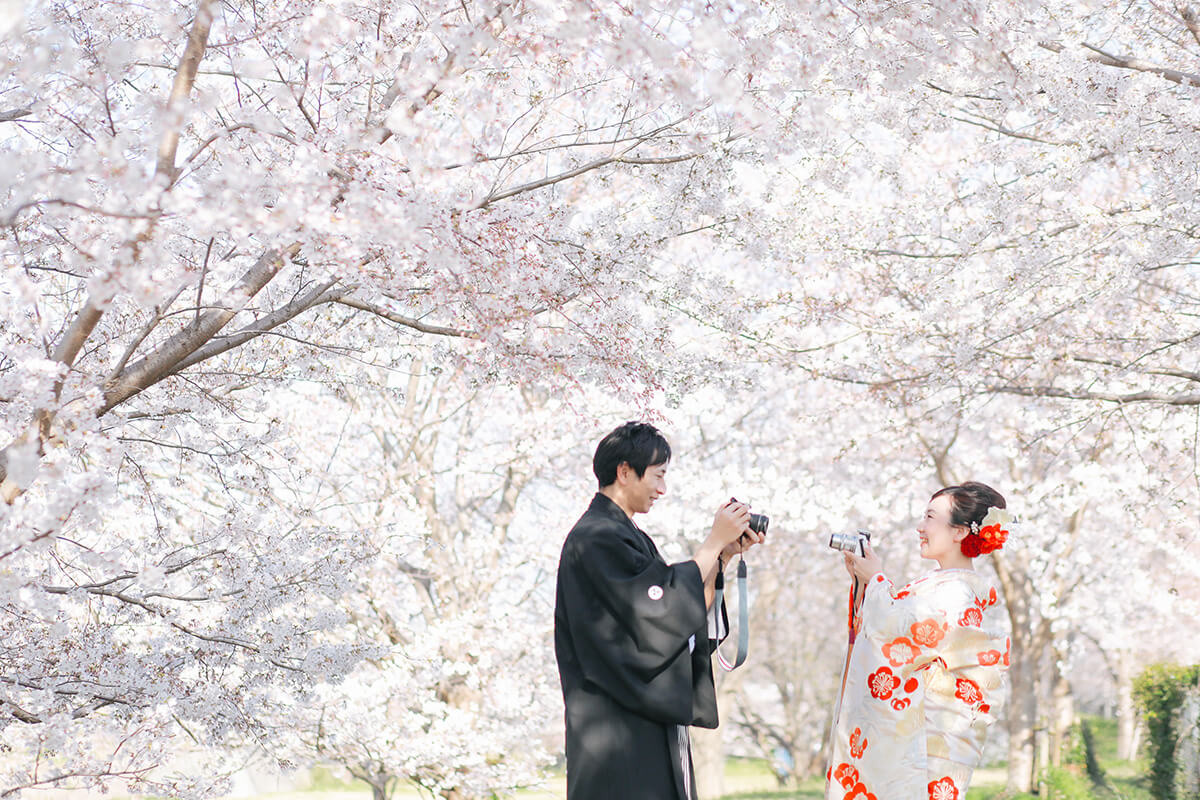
882	683
927	633
968	691
943	789
846	775
900	651
989	657
858	743
911	685
859	792
972	616
901	703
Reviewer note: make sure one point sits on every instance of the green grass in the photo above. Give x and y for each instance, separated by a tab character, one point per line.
1066	784
1126	780
752	779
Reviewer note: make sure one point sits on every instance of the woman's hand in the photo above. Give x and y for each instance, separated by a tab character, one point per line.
863	567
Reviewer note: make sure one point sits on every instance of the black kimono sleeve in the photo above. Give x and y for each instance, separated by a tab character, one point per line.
639	626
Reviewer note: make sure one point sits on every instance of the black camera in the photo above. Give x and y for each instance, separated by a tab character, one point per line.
758	522
851	542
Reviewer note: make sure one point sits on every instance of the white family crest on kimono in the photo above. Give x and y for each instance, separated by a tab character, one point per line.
924	682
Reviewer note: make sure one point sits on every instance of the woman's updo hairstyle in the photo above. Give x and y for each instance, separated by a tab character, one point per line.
969	504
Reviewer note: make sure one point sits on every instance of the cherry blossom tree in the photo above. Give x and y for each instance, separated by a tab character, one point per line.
462	691
211	207
1026	232
209	204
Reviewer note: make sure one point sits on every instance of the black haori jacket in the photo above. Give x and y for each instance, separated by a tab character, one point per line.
631	637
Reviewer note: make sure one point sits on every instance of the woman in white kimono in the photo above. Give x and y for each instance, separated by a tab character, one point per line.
925	674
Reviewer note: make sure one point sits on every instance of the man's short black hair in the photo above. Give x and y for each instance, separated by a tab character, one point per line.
638	444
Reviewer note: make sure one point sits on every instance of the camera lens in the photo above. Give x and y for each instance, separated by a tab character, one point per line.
759	522
850	542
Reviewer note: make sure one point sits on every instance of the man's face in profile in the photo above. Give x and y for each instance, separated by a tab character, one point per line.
641	493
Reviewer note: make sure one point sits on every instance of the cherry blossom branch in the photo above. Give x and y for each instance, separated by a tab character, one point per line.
1108	397
167	357
232	129
1137	64
434	91
548	148
21	715
179	626
151	324
187	448
15	791
86	320
229	73
185	79
1174	75
15	114
588	167
11	219
400	319
992	125
1190	20
1168	372
223	343
65	353
97	701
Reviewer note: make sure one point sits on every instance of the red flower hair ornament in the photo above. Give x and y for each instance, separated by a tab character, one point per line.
989	535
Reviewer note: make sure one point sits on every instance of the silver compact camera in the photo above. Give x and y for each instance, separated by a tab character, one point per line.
851	542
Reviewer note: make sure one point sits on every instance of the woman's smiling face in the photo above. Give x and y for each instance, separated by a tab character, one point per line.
940	539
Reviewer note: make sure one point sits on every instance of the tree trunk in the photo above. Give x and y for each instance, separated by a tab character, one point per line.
1022	718
708	746
708	754
1126	710
1062	715
1041	738
1024	655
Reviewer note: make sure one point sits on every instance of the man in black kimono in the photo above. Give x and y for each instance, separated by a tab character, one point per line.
631	632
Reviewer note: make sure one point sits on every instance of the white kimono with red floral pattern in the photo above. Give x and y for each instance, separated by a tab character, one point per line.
924	682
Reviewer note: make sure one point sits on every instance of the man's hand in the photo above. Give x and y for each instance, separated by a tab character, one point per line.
730	535
741	544
731	521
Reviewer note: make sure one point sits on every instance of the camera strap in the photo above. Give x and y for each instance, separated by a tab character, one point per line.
743	636
855	612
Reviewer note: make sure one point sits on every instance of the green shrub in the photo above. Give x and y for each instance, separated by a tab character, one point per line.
1159	692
